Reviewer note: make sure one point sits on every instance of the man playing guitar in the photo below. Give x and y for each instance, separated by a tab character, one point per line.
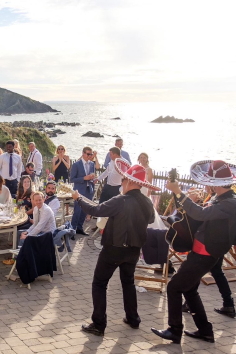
218	219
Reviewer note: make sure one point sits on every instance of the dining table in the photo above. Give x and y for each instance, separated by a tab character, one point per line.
9	225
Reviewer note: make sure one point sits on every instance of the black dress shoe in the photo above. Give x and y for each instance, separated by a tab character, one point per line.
81	232
92	329
198	335
168	335
227	311
130	324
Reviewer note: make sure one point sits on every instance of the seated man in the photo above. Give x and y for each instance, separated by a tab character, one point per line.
29	171
43	218
51	199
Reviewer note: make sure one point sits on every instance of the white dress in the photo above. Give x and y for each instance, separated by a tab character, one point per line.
158	223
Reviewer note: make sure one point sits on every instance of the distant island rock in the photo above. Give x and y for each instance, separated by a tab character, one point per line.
13	103
93	135
116	118
172	119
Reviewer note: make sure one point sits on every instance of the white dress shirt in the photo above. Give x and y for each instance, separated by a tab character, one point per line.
85	163
113	177
54	205
16	166
44	221
5	195
36	157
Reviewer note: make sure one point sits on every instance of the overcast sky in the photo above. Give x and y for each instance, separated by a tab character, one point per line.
119	50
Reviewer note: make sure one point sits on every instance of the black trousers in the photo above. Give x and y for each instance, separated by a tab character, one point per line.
109	259
108	192
12	186
186	281
222	283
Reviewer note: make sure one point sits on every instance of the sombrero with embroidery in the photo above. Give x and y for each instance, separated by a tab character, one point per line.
213	173
136	173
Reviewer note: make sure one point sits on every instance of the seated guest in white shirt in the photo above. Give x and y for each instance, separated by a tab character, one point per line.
112	187
11	167
5	195
51	199
43	218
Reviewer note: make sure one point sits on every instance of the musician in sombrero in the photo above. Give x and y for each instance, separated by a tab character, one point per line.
124	235
212	240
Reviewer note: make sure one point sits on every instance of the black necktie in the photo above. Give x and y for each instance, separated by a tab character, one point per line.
10	166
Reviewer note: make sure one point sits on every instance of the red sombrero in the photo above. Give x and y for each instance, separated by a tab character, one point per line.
213	173
136	173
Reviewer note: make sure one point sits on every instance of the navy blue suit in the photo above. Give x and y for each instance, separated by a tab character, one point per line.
86	188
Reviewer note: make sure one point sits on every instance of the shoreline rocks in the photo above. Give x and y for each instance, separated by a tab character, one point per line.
48	128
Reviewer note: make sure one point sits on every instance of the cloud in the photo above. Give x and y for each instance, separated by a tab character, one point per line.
101	47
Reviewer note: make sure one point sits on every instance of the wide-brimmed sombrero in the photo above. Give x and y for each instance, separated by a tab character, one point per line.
136	173
213	173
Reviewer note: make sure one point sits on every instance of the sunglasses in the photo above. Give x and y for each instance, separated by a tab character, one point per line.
88	154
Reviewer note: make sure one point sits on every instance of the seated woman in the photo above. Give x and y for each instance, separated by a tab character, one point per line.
23	197
61	164
5	195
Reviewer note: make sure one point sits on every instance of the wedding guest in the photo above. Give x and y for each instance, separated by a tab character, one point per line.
82	175
11	167
94	159
51	199
143	161
43	218
5	195
23	198
124	154
35	157
112	187
17	148
29	170
61	164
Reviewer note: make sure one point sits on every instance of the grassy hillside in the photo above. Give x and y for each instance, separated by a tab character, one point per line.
25	135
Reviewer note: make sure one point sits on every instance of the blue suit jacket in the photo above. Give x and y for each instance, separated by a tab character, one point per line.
77	177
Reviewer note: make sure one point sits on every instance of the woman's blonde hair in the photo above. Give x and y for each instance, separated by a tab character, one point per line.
63	146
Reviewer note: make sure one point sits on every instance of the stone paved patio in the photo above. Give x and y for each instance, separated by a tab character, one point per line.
47	319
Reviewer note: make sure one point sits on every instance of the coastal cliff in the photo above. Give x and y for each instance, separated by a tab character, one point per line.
13	103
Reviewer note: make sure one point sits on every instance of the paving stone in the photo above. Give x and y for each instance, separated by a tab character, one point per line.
55	312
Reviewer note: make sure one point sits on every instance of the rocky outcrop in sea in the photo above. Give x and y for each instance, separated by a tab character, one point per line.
171	119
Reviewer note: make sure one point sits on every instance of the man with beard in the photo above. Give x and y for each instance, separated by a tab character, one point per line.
51	199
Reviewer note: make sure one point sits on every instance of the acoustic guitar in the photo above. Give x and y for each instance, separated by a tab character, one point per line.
67	189
183	227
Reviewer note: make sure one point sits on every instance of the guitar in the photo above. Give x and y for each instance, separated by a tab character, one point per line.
67	189
64	189
183	227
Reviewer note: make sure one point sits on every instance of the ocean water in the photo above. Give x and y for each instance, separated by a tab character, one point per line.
211	136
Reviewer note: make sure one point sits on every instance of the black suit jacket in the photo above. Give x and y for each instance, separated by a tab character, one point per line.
36	257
